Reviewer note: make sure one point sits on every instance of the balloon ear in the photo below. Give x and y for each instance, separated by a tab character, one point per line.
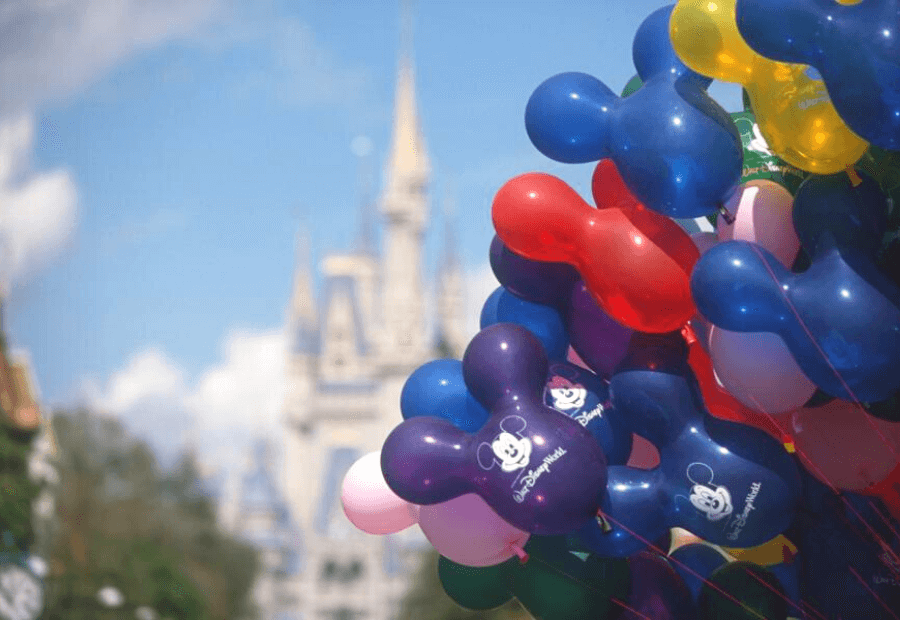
486	458
474	588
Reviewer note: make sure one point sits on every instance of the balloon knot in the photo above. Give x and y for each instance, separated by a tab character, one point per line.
855	179
728	217
603	523
789	444
520	552
687	332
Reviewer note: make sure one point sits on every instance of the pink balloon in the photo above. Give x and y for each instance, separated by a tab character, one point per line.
370	504
762	212
759	370
842	445
465	530
468	531
704	240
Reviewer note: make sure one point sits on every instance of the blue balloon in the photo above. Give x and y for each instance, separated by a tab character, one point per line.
841	317
437	389
725	482
542	321
677	150
848	554
855	47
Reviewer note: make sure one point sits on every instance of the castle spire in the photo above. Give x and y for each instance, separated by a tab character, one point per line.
450	301
302	312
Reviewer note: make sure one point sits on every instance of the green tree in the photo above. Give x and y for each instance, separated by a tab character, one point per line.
152	535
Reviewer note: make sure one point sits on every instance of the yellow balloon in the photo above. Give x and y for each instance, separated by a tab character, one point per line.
776	551
792	106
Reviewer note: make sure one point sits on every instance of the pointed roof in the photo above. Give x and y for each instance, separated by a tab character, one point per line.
408	157
302	317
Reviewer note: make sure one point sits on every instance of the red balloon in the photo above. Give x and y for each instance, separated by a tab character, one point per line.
635	262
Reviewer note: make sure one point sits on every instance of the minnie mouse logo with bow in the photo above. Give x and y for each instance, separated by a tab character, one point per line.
509	449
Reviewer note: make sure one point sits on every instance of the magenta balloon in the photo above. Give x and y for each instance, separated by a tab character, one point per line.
369	502
762	212
467	531
842	445
759	370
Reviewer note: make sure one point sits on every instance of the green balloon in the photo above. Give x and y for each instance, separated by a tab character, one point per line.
475	588
753	593
554	584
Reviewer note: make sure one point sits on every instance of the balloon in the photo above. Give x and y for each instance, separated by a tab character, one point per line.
542	321
635	262
760	163
795	116
554	584
761	213
759	370
370	504
657	591
584	397
725	482
839	318
436	389
854	45
540	471
841	445
542	283
695	562
743	591
466	530
678	151
848	555
598	339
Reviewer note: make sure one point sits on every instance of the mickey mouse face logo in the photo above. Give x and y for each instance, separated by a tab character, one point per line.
513	452
510	449
716	503
566	399
713	501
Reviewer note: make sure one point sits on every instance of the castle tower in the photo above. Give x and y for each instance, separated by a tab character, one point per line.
404	207
452	337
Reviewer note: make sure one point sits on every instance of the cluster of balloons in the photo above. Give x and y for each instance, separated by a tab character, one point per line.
657	425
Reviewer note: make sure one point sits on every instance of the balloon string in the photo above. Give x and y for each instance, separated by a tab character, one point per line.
629	608
874	594
812	339
727	595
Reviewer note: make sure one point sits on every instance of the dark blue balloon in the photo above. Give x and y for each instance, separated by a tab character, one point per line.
542	283
856	49
543	321
848	555
677	150
727	483
437	389
840	318
657	590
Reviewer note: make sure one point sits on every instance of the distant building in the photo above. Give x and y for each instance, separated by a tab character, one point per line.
350	353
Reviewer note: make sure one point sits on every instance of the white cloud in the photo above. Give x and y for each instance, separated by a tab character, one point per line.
221	412
50	49
37	209
480	283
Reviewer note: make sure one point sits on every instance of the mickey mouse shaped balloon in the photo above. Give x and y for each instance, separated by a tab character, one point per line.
540	471
841	317
635	262
854	45
728	483
790	101
677	150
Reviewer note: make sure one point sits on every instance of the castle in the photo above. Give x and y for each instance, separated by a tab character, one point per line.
350	355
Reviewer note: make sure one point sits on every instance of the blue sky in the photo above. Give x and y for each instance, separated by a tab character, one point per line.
162	155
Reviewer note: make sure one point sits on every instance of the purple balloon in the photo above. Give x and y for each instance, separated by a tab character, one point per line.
599	340
657	590
543	283
538	469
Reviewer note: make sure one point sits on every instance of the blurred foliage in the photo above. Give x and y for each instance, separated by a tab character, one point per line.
426	600
17	490
152	535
